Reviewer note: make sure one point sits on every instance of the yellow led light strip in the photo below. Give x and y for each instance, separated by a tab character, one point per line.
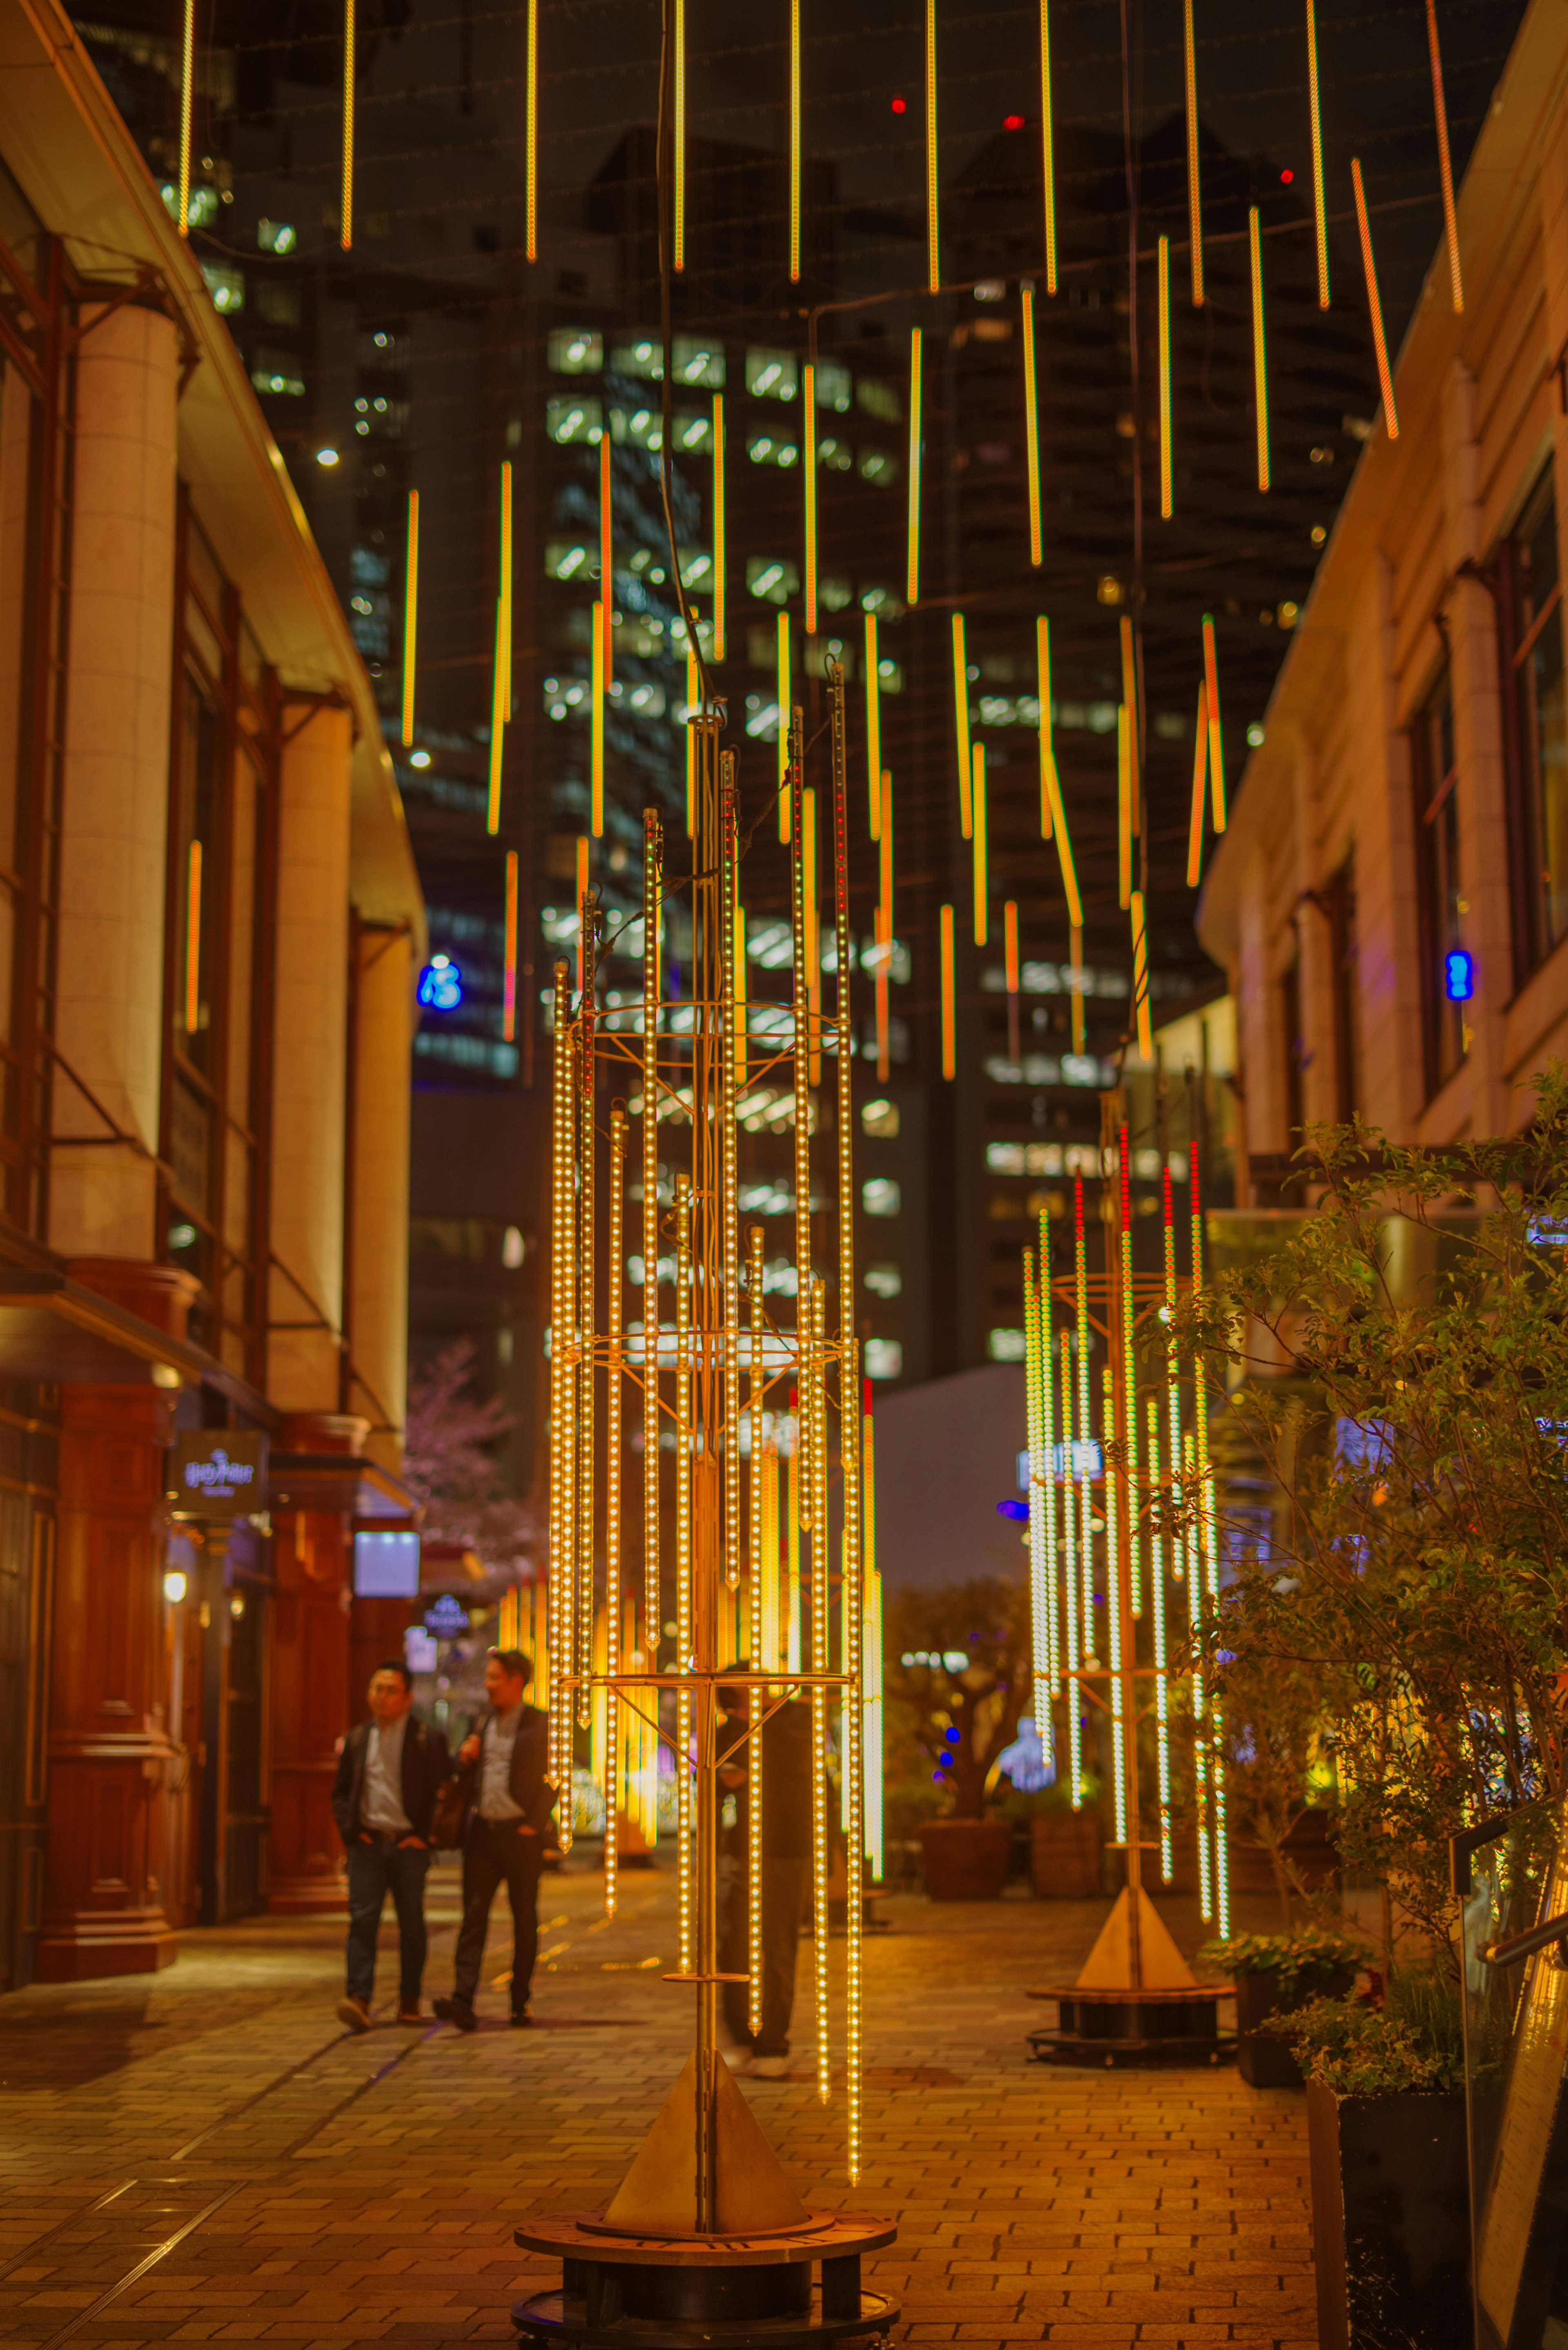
563	1375
1200	783
871	1649
950	1007
582	894
1114	1612
350	58
781	690
821	1662
588	932
1140	978
933	233
1085	1430
501	698
678	137
1260	348
1445	168
732	1031
693	709
1039	1621
1216	738
411	614
1053	812
912	566
794	148
652	901
596	725
1157	1609
873	727
1032	428
1124	805
614	1366
187	93
717	525
1075	967
977	810
684	1823
509	962
1178	1563
740	1030
606	554
1047	151
1194	189
812	937
1320	208
1073	1652
1166	469
808	460
193	939
1132	699
1373	302
530	135
960	724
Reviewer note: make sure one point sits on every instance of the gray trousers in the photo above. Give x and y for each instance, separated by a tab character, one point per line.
784	1888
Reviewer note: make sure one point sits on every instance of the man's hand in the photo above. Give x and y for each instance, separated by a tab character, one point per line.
469	1751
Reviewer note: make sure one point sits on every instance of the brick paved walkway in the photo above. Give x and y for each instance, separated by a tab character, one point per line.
336	2191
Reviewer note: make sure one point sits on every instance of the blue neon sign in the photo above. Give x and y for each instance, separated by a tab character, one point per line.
440	984
1459	976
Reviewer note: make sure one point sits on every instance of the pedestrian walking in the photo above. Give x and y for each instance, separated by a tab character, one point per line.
786	1735
510	1803
388	1777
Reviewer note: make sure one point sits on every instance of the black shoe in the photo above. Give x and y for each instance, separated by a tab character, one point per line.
521	2022
456	2012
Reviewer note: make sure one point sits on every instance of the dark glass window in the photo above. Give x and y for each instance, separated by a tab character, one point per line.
1441	905
1538	729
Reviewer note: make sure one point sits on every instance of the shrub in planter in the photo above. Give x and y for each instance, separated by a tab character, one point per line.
1276	1974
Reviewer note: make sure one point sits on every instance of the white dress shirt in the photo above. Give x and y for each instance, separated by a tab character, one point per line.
382	1790
500	1740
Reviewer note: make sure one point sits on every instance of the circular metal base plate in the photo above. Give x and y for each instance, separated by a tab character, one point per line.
551	2317
1113	2055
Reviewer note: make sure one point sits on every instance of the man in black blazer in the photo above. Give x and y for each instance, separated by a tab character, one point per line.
510	1801
388	1777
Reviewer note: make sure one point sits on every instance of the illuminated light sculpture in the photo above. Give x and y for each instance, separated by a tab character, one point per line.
187	96
530	134
1194	189
1165	467
706	2175
783	689
1319	203
509	958
977	812
411	614
873	727
678	135
1128	1565
1140	978
912	565
960	726
1259	349
808	458
1047	148
1373	302
933	231
948	994
1444	167
718	575
794	143
350	58
1032	429
1216	737
1199	785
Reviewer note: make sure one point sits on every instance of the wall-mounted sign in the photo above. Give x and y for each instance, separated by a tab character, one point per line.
446	1618
217	1472
386	1565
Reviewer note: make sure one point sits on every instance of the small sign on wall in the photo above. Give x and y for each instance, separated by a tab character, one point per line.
217	1472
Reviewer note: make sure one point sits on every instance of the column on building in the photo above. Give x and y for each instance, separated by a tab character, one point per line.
1388	971
109	1745
313	1556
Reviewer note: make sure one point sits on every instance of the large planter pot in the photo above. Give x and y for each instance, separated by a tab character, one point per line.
1065	1855
1391	2224
1263	2061
966	1860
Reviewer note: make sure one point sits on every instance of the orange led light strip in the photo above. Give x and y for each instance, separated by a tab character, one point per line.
1165	473
717	525
950	1008
1216	738
509	978
530	135
1199	779
193	941
794	143
912	583
677	139
982	879
1320	209
960	724
1194	189
1031	427
1445	168
1140	978
808	458
1047	154
1053	812
351	45
933	233
187	91
1260	352
1390	414
411	614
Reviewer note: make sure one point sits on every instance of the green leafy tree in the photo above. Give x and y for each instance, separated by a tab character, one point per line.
957	1701
1401	1365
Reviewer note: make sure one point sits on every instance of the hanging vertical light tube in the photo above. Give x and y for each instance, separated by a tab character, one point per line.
739	1033
1444	167
678	137
813	939
1194	189
871	1664
1032	428
1071	1587
800	935
912	563
586	1395
1320	208
1199	785
764	1588
1076	985
1053	809
1140	978
1167	468
687	1895
351	61
1117	1690
755	1800
873	727
652	917
1009	975
949	992
563	1373
1216	738
808	460
1039	1619
783	689
410	614
509	954
1177	1489
933	232
977	814
730	999
193	939
607	557
1259	347
1047	148
1129	1346
1081	1344
1124	805
530	135
820	1663
187	102
1156	1611
793	1489
884	928
960	726
615	1370
795	141
497	721
1373	302
693	709
719	549
1048	1471
1199	1722
597	728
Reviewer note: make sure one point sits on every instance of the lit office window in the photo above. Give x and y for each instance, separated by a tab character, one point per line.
879	1118
565	558
574	352
695	361
771	375
773	579
884	1280
877	466
1006	1345
574	419
833	388
884	1358
834	456
876	398
768	449
880	1196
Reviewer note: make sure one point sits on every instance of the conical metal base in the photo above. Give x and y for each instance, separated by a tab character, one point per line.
751	2197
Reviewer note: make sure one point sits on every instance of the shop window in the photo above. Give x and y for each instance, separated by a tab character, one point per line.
1440	901
1537	716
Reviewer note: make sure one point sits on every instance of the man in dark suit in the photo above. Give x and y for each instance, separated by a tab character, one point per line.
388	1777
509	1810
785	1841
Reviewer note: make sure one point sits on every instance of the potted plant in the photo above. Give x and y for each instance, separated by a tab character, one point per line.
1387	2144
1276	1974
956	1669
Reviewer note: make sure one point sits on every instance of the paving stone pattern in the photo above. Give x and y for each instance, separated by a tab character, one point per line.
329	2189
